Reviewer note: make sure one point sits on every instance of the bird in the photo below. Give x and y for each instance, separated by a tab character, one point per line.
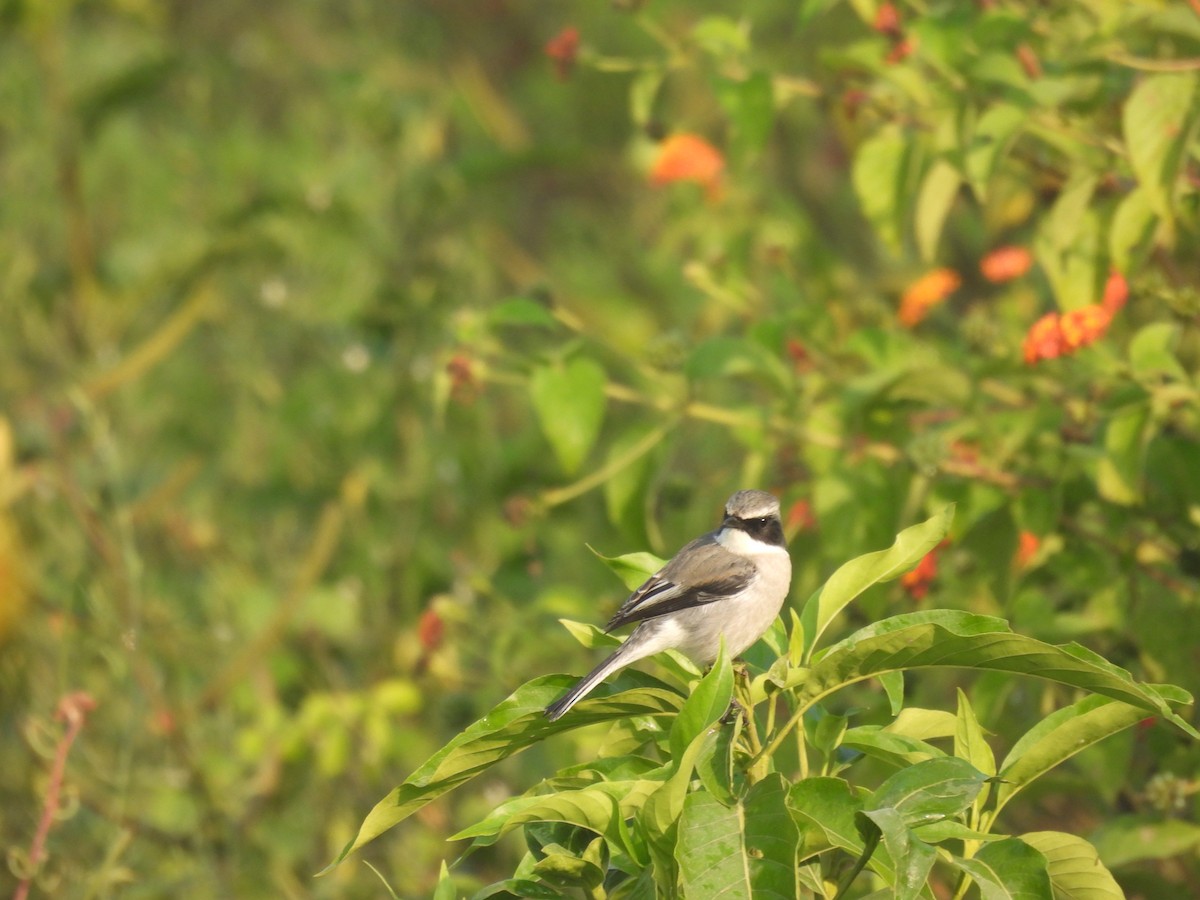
730	582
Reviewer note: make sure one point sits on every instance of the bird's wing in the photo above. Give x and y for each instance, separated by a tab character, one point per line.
713	573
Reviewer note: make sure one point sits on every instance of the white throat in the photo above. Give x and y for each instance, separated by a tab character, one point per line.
737	541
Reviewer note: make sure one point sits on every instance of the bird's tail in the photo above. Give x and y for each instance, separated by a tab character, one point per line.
584	686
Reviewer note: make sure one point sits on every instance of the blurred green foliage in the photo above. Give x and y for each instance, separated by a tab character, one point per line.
332	333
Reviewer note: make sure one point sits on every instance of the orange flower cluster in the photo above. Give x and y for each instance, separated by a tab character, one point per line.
887	23
1028	545
1055	335
925	293
562	50
1005	264
688	157
918	580
800	517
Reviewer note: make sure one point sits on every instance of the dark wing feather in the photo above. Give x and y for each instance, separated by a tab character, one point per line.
713	573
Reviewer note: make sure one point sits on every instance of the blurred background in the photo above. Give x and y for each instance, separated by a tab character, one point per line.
332	336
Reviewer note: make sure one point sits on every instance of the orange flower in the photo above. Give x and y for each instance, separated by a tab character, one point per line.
887	20
800	517
430	630
688	157
1027	548
1044	339
925	293
1005	264
1083	326
918	580
1116	292
562	49
802	361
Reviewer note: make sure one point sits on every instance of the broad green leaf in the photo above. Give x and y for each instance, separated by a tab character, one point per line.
660	814
748	850
445	886
1060	736
880	175
1152	353
894	749
1069	244
509	728
953	638
705	706
601	808
569	402
912	857
521	311
750	105
923	724
893	685
626	490
1130	839
1156	122
929	790
824	809
1008	870
859	574
990	140
643	90
566	870
722	357
632	568
1119	471
969	741
1132	229
721	36
714	766
1076	872
939	189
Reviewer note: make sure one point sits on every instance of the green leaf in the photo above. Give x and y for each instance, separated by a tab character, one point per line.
643	91
661	812
930	790
602	808
912	857
1130	839
744	851
1156	122
714	767
1132	229
1152	353
969	741
509	728
945	637
1009	870
626	491
939	189
721	36
632	568
750	105
521	311
824	809
705	706
859	574
723	357
1060	736
445	886
1076	872
1119	473
569	401
880	175
894	749
989	141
